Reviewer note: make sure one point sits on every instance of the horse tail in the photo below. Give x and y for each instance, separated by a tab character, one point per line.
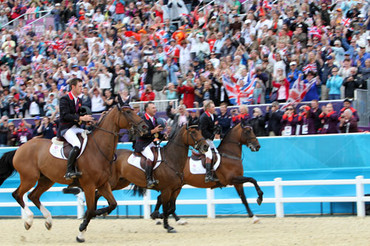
137	190
6	166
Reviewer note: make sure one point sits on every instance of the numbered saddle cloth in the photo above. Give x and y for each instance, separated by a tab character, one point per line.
197	167
139	161
60	149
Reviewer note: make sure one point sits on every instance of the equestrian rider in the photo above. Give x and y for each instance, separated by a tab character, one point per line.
207	126
69	126
143	144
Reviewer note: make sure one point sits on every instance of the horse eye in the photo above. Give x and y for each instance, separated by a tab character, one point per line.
128	111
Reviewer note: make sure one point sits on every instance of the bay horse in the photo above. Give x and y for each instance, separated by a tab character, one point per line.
230	171
169	173
34	164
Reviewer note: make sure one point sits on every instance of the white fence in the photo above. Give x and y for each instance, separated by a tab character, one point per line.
210	201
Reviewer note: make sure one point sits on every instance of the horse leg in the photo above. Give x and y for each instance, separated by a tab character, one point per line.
240	189
43	185
166	207
97	196
242	180
25	186
173	209
156	214
90	211
106	192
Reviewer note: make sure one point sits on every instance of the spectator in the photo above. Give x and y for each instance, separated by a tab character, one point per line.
258	122
289	122
188	93
47	129
224	120
242	116
273	118
282	86
315	112
312	82
4	131
170	92
193	118
97	101
334	84
306	121
12	134
171	69
347	123
329	119
179	117
159	81
148	94
347	104
352	82
22	134
108	99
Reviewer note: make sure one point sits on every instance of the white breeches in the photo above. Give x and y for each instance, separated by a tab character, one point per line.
211	146
147	152
71	136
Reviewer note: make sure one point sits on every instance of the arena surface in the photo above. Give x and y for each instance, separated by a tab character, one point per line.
333	230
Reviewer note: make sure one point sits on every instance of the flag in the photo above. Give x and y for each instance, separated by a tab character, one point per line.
72	22
310	67
313	31
346	22
231	88
266	5
246	92
298	91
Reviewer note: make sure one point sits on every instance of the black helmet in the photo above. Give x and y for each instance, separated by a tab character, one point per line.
162	122
85	111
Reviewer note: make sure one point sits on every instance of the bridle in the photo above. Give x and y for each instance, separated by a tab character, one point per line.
196	142
114	133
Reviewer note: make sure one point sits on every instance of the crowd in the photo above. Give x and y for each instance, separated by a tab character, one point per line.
182	50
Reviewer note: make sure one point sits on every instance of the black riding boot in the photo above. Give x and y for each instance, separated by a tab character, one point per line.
71	170
150	181
209	176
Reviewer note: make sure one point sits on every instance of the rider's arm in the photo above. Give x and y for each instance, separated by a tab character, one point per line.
64	111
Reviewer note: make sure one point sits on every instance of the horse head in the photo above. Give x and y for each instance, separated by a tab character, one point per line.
130	118
194	137
248	137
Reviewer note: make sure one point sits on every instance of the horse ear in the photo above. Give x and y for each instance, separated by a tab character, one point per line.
243	123
120	101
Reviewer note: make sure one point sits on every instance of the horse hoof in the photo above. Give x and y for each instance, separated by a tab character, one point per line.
80	240
255	220
259	201
48	225
27	226
181	222
154	215
170	229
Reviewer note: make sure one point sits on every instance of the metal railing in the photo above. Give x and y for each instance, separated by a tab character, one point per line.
278	199
24	15
161	105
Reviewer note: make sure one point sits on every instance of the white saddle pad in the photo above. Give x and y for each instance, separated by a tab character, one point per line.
135	161
196	167
56	148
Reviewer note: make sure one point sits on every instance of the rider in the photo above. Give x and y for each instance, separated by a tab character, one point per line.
144	143
69	126
207	126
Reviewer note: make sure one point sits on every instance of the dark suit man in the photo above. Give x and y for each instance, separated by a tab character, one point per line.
207	127
69	107
143	144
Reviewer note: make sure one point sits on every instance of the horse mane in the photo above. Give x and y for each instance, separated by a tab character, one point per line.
228	135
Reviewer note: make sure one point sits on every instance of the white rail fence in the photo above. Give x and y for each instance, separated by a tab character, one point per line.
279	200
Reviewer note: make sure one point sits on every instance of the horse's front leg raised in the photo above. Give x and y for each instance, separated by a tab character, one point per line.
241	180
106	192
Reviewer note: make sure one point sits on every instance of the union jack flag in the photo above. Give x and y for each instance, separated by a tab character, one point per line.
346	22
246	92
310	67
19	80
312	31
72	22
266	4
231	88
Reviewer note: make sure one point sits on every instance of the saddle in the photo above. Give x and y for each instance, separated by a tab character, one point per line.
60	148
201	157
143	158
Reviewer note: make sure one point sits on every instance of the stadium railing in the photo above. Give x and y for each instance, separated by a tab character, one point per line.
279	200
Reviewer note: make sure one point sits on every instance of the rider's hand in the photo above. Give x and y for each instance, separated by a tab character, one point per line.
158	128
86	118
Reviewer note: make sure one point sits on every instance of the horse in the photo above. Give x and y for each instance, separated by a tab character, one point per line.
169	173
230	171
34	163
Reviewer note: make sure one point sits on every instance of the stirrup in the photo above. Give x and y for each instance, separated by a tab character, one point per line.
72	175
209	178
